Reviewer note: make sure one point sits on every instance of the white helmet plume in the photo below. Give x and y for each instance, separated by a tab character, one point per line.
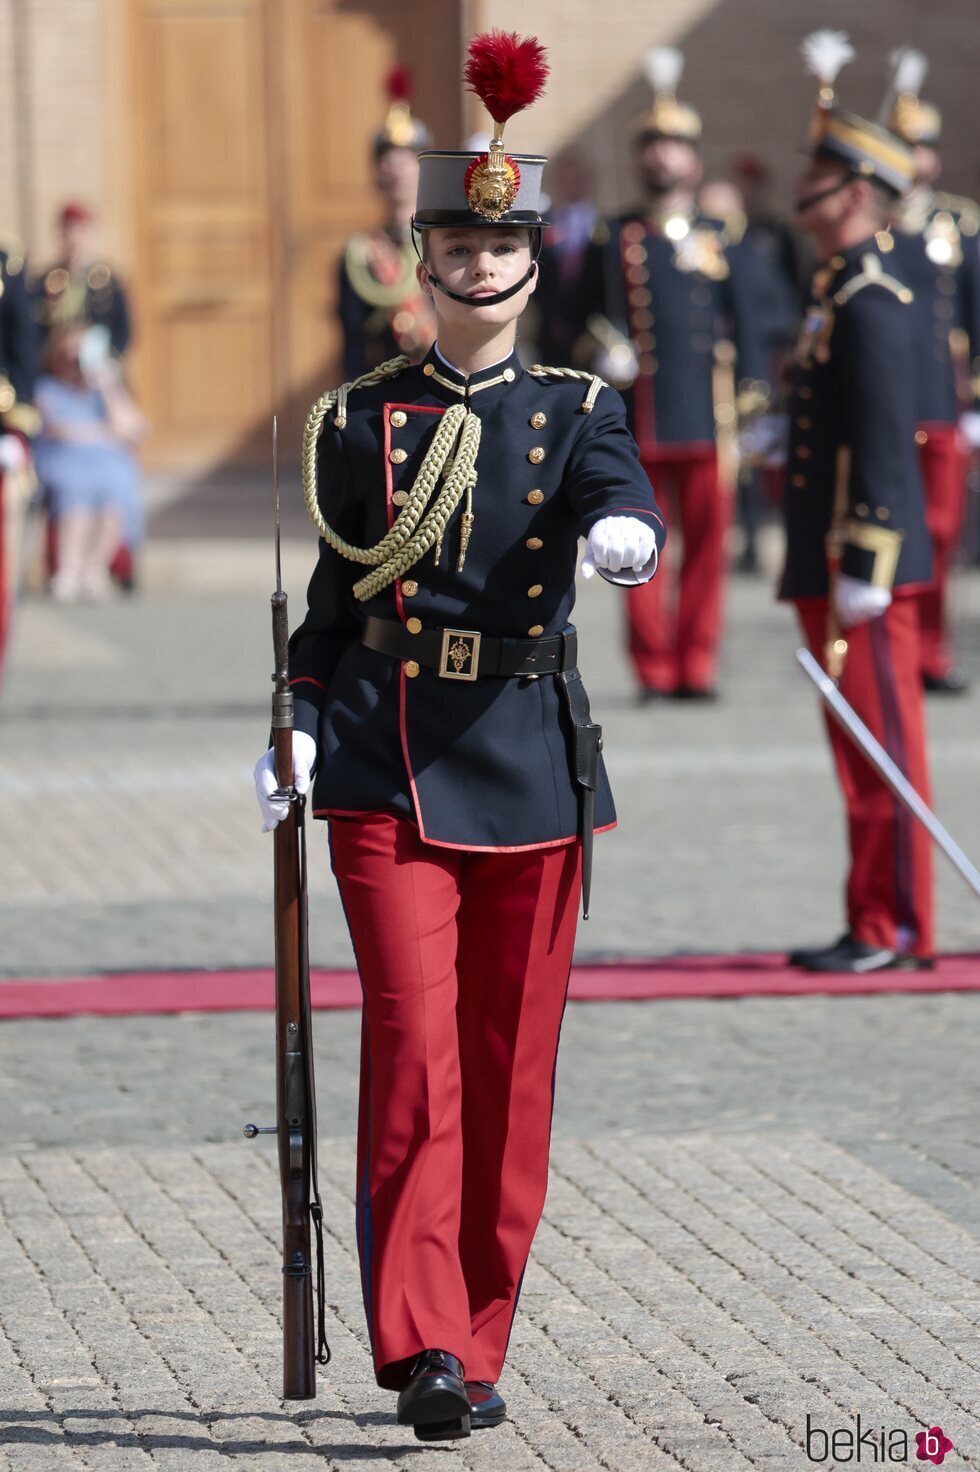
664	67
825	52
910	69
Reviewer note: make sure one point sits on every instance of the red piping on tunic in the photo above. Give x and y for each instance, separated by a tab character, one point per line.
475	848
308	680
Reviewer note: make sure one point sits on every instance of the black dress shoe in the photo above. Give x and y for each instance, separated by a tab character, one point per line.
952	681
435	1401
487	1408
649	694
695	692
805	954
858	959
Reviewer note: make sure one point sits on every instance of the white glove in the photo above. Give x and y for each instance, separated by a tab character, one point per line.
13	456
857	602
623	545
970	426
264	776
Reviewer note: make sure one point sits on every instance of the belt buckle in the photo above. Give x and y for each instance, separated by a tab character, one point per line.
460	657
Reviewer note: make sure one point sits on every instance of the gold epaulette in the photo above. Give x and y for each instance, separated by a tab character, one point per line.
872	273
336	398
539	370
965	210
600	233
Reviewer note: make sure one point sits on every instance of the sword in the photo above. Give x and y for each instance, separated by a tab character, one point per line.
847	717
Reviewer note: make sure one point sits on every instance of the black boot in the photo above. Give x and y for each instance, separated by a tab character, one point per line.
806	954
853	956
487	1408
434	1401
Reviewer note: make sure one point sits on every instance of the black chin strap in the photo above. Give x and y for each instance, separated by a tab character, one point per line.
486	301
807	204
495	297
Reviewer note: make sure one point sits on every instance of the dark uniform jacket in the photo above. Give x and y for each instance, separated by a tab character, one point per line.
19	342
481	765
681	301
94	297
852	461
937	255
375	327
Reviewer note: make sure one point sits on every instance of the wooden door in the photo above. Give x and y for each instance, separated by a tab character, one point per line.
252	164
336	55
205	274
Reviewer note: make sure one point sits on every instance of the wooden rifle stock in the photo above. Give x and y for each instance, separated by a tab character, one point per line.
295	1127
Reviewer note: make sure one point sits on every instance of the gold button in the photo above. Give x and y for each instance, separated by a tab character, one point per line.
535	590
799	480
860	509
637	275
837	263
399	418
804	422
905	296
411	668
806	392
634	232
509	375
535	497
539	420
803	451
398	457
645	341
635	255
399	498
536	455
410	588
921	438
640	297
535	631
535	543
882	513
840	298
429	369
414	625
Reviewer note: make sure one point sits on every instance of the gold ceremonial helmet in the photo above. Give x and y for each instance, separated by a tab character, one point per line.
867	149
666	117
401	129
912	119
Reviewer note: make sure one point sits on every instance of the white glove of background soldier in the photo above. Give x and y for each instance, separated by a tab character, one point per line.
623	546
857	602
264	776
970	428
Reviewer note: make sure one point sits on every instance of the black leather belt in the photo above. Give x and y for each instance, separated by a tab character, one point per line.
464	654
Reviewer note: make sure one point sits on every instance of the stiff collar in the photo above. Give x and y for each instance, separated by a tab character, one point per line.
834	271
446	380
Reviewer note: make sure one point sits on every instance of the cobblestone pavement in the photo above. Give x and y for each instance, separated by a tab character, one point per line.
763	1213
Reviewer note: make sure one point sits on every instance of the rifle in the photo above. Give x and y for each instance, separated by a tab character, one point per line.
295	1126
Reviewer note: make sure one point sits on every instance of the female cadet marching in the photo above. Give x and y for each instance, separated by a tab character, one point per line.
438	699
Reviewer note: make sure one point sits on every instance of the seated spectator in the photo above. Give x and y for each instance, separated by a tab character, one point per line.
84	458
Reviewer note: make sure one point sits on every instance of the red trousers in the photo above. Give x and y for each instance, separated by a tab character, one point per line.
890	885
674	631
943	462
464	960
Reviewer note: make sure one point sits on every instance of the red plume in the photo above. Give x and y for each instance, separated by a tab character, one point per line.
506	72
399	83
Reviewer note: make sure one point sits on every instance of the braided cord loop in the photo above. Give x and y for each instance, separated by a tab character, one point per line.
594	381
422	521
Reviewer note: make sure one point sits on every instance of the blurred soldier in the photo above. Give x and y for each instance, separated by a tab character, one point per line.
770	234
18	419
857	545
382	311
670	305
937	254
573	219
80	289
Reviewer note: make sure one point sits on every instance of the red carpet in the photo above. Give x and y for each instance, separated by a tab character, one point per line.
126	992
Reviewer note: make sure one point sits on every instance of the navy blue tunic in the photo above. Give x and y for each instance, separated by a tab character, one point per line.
852	455
481	765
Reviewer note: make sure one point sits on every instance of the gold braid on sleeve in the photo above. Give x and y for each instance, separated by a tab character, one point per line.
423	519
